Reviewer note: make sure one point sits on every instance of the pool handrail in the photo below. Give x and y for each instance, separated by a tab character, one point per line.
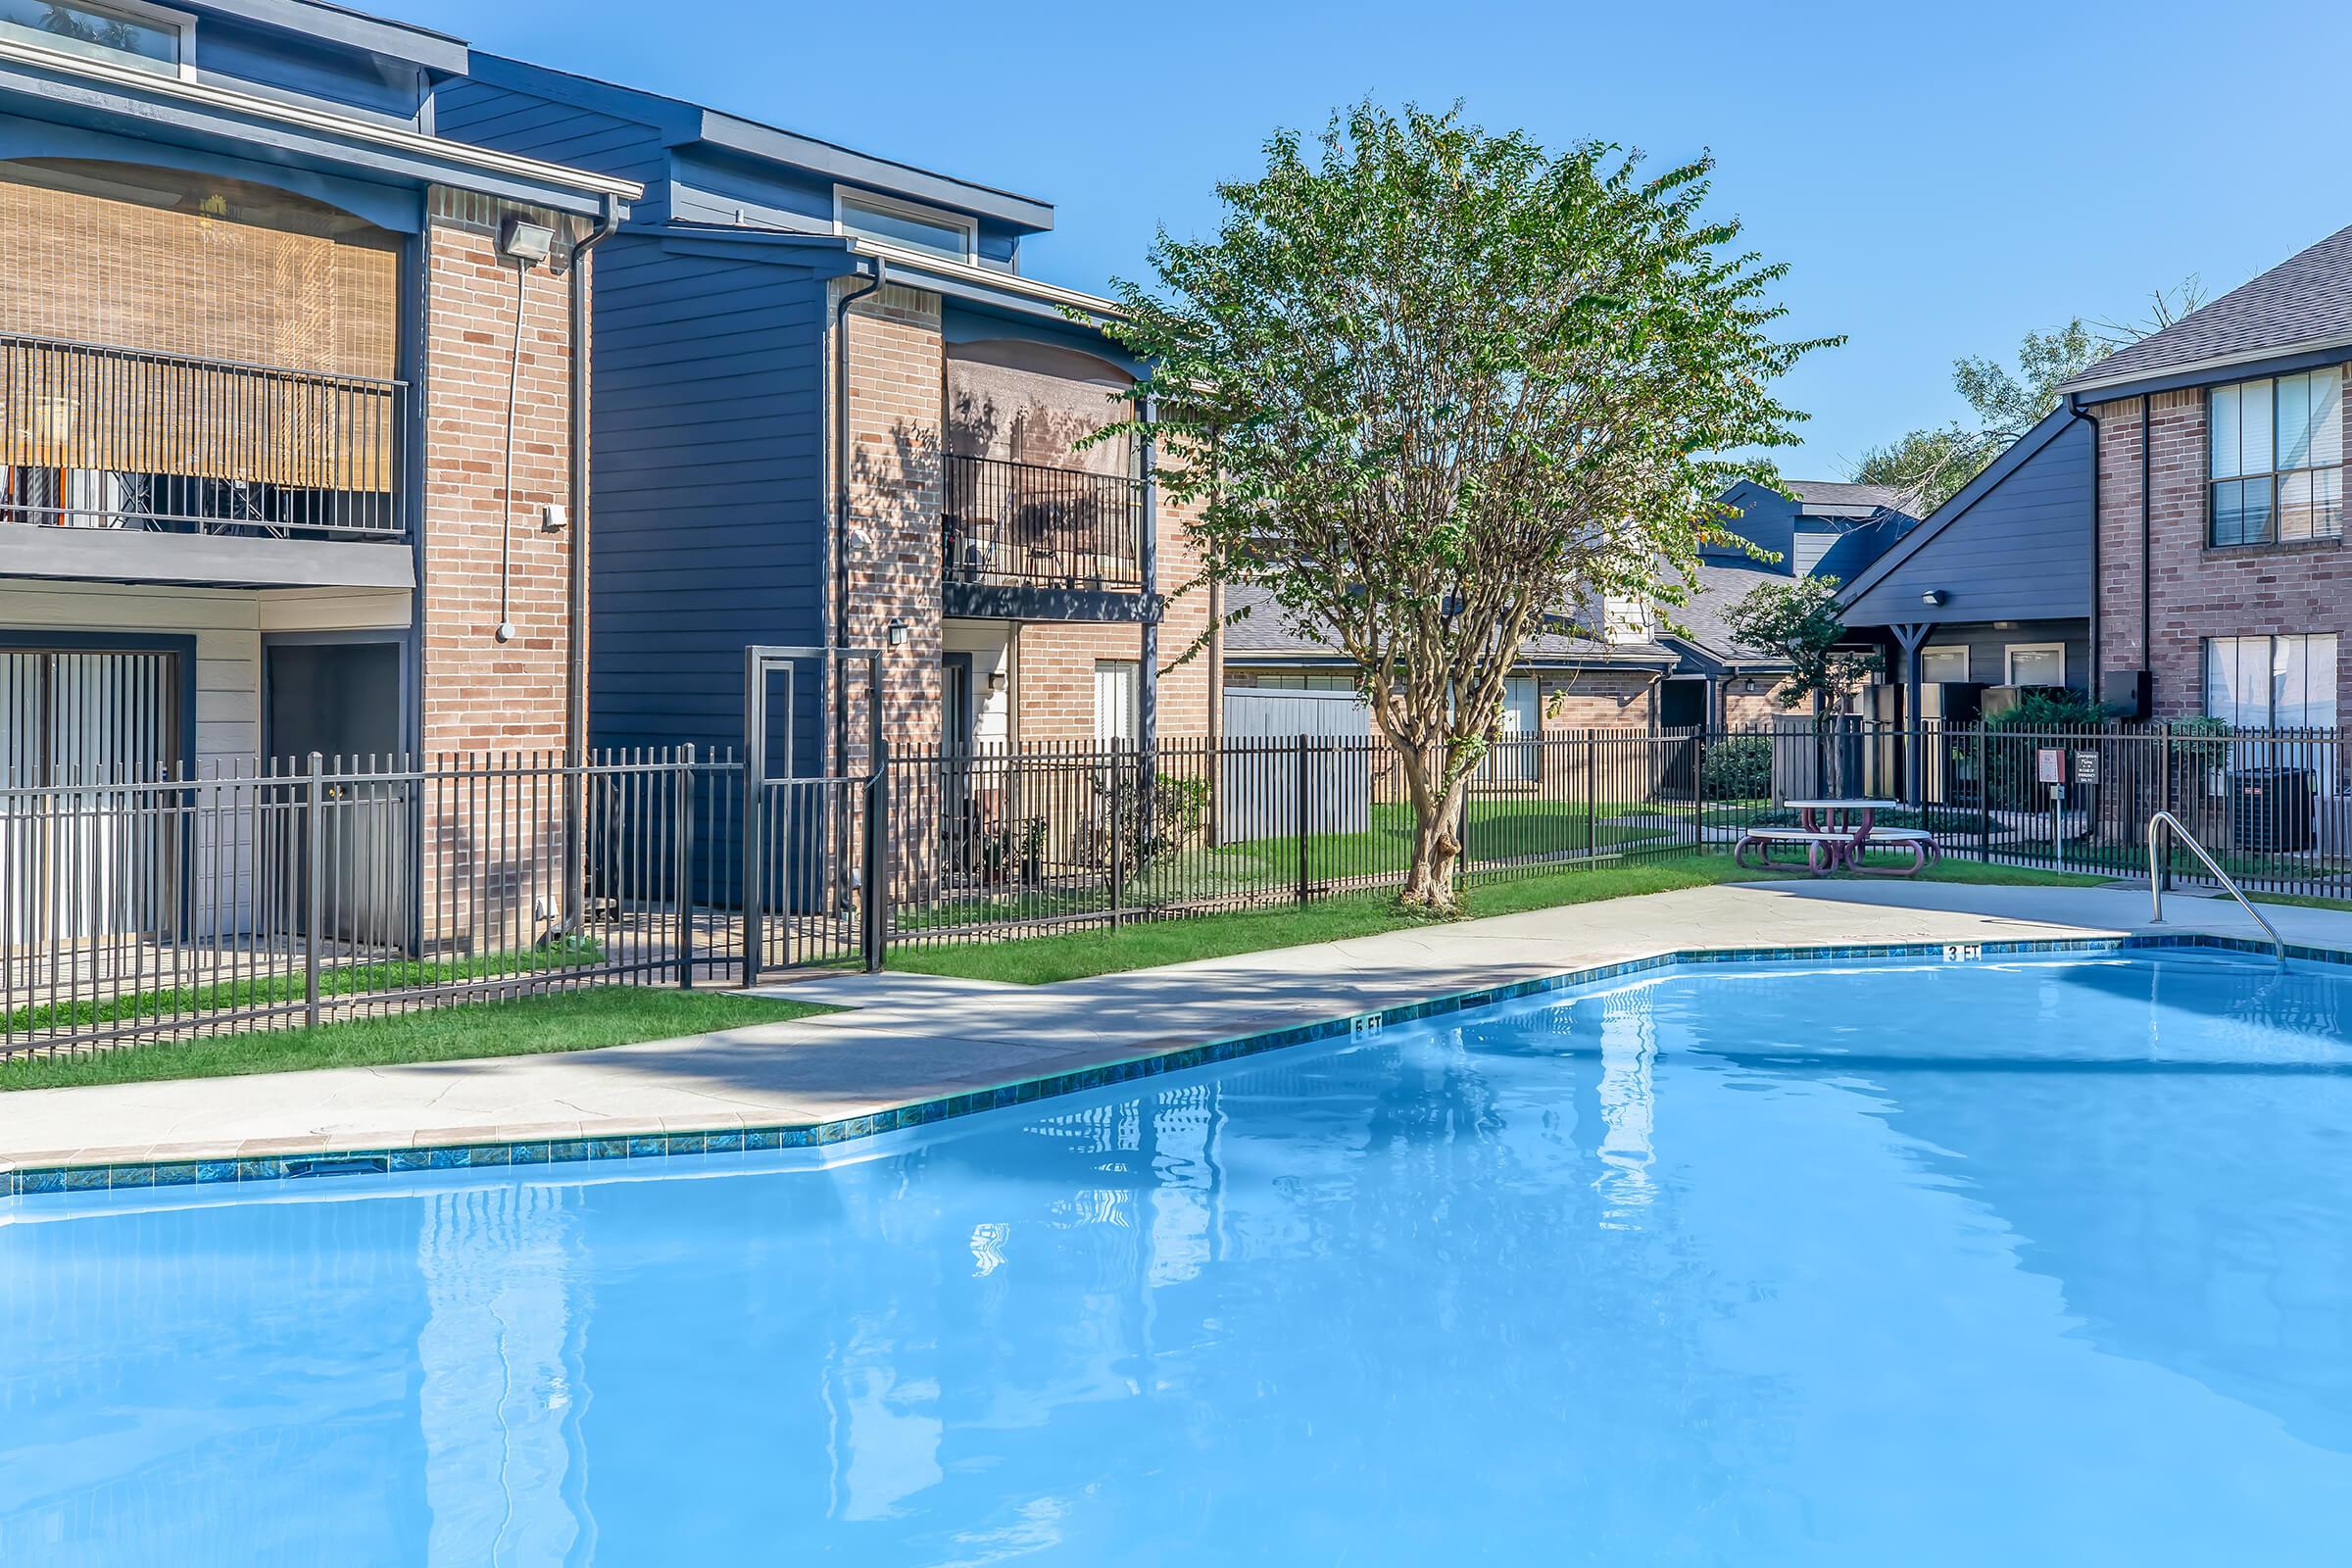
2156	826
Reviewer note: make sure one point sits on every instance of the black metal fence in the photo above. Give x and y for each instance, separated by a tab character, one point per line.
145	906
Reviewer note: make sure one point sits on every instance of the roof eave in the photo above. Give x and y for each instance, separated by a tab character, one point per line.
2131	380
124	91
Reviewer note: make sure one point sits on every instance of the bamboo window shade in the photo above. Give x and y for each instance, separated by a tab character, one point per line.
246	332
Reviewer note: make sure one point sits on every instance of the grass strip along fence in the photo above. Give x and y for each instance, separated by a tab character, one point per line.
171	906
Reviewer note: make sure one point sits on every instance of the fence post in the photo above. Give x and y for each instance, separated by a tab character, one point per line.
1698	791
877	858
1984	800
1302	793
2163	791
1591	798
750	876
1115	825
682	846
315	886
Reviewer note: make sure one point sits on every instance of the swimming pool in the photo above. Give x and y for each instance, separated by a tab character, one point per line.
2040	1259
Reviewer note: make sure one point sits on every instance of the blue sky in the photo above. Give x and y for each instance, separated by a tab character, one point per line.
1939	181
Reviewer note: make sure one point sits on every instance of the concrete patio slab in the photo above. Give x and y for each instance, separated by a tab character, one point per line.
913	1038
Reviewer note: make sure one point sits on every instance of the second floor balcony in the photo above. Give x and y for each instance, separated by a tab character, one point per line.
1022	525
103	440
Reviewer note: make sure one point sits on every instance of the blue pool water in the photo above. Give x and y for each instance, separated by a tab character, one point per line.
2033	1260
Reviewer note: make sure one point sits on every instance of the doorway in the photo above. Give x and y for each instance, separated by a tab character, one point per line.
346	701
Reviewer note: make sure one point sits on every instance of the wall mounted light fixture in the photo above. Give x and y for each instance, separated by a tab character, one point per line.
1933	595
897	634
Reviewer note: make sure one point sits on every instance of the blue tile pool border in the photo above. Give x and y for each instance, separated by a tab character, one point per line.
362	1161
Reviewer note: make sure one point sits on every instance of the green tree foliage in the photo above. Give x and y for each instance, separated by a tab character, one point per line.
1430	387
1798	620
1932	465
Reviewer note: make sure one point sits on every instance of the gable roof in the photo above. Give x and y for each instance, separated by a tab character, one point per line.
1916	538
1715	587
2304	303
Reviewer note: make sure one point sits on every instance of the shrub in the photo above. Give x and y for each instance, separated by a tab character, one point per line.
1737	770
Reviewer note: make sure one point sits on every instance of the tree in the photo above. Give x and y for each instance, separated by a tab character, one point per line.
1430	386
1798	620
1932	465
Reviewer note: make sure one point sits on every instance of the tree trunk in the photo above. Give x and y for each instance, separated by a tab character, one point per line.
1429	881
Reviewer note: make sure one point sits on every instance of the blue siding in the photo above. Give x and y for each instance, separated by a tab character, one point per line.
516	121
2019	551
706	517
233	53
1767	519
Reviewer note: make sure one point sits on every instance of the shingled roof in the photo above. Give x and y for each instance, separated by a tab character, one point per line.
2305	301
1264	635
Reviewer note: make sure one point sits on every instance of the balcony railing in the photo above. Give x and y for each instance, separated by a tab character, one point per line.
1022	524
94	436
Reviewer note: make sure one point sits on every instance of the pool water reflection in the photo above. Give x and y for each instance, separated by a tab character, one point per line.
2038	1261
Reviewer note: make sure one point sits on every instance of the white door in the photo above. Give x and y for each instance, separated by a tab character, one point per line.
1117	702
1514	756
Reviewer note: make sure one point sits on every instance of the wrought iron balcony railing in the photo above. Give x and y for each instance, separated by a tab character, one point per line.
1020	524
93	436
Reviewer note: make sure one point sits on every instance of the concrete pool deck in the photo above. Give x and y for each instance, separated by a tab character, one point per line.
916	1038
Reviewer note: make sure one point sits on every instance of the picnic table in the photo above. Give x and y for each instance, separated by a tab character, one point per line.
1838	830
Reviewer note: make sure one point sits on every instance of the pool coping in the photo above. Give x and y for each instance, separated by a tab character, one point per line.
271	1160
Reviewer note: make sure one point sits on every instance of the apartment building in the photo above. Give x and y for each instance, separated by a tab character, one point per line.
833	409
288	397
2220	583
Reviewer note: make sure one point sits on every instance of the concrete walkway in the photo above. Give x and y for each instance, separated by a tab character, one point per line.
911	1038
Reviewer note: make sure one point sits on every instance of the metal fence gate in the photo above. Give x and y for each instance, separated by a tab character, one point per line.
815	844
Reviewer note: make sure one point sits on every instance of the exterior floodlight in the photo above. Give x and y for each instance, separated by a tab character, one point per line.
526	242
1933	595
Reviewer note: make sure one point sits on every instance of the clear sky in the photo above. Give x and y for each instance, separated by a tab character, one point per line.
1939	178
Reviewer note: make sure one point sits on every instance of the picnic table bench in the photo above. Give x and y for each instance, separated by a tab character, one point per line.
1839	832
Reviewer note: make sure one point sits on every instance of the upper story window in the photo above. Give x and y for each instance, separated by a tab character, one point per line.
2277	460
897	222
145	37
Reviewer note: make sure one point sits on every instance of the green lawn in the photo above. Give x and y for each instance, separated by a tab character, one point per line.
561	1020
334	980
1499	828
1073	955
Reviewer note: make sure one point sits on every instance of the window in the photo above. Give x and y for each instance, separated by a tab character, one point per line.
2033	664
895	222
1117	702
1944	664
2277	460
144	37
2272	682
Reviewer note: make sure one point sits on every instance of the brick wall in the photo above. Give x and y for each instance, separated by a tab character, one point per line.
480	693
1745	710
497	883
897	382
1595	699
2194	592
